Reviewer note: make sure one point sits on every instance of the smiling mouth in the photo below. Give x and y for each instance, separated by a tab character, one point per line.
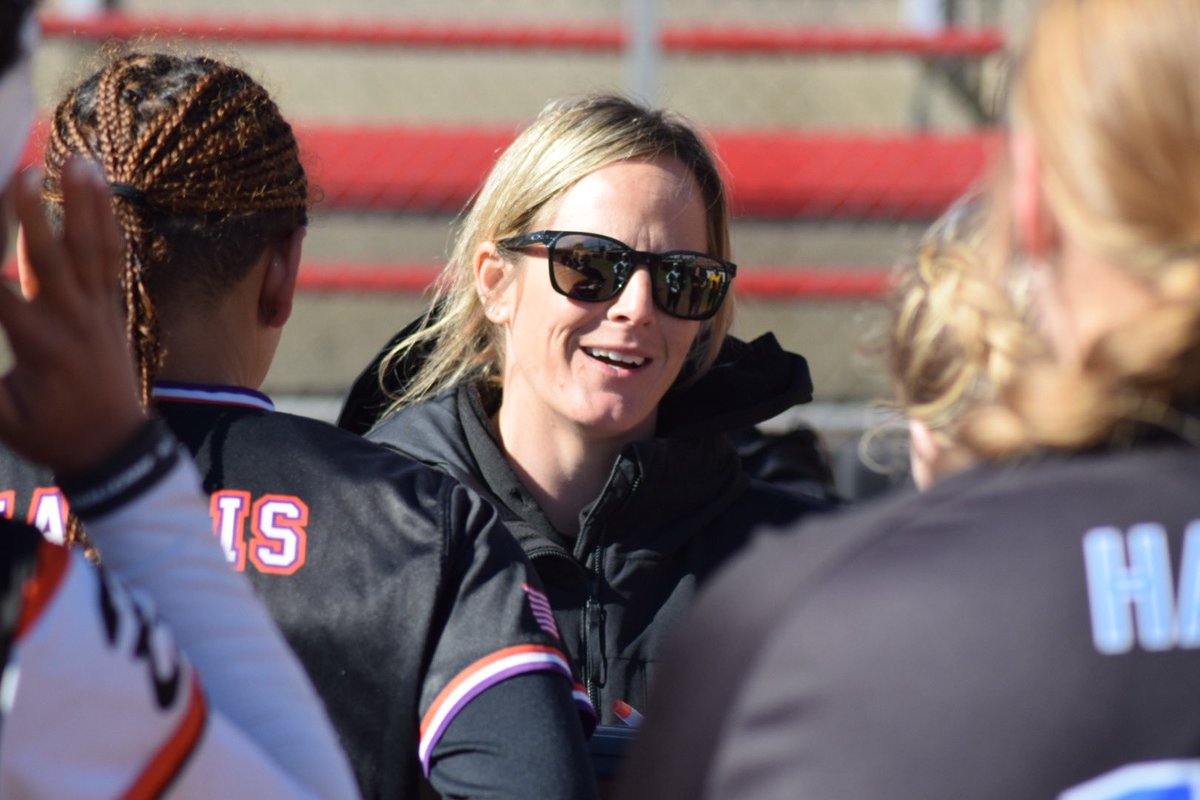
615	359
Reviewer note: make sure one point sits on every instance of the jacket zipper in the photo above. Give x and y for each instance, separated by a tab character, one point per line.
596	619
585	658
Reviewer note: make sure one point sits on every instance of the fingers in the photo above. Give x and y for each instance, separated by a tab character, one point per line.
11	411
71	389
15	319
90	228
12	311
87	257
34	330
45	254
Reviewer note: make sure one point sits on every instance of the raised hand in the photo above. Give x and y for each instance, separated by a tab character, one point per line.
70	398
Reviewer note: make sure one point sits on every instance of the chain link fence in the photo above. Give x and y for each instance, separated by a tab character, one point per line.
845	125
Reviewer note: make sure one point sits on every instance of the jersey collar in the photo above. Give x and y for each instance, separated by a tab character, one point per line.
169	391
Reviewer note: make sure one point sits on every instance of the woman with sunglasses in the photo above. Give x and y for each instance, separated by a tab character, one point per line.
1030	626
574	369
412	609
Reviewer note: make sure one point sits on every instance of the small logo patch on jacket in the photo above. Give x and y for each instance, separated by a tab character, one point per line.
541	610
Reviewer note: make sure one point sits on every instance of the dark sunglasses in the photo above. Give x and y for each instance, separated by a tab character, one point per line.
594	268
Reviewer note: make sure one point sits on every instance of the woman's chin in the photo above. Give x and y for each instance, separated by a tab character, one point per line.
619	421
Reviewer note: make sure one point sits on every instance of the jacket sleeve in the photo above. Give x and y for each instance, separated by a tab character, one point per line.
499	691
247	712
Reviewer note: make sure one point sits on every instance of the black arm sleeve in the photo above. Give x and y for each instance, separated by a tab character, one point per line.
487	753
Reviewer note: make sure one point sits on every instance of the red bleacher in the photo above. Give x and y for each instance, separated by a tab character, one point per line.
692	39
773	174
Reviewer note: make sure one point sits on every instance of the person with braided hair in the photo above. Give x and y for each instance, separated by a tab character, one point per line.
187	689
412	608
1029	626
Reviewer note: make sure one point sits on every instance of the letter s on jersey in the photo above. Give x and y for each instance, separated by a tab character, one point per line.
278	543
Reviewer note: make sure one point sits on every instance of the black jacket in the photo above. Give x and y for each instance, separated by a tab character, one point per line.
392	584
673	508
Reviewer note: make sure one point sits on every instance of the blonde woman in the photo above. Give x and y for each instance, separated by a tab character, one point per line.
1028	627
575	371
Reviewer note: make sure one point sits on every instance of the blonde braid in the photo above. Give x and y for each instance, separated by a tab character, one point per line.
1109	98
1130	378
958	331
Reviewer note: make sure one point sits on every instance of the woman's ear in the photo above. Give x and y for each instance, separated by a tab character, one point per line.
492	273
279	279
1035	230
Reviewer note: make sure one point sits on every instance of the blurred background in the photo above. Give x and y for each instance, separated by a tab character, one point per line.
845	127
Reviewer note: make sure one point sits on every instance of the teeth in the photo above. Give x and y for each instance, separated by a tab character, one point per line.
609	355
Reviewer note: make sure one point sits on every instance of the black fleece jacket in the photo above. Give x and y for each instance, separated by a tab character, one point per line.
673	509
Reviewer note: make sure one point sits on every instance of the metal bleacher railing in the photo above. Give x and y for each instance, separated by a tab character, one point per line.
774	174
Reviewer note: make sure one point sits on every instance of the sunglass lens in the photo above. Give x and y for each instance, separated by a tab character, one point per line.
691	287
586	268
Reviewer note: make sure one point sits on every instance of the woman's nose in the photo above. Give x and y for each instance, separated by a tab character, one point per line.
635	303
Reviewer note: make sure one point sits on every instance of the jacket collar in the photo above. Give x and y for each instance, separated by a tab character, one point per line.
750	382
691	480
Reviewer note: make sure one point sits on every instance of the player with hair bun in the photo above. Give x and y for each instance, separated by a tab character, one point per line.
1030	626
947	350
411	607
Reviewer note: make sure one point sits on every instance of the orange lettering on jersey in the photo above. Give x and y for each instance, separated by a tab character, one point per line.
8	501
48	513
229	509
280	542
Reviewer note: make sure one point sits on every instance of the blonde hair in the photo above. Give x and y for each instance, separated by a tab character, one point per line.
569	140
953	337
1109	93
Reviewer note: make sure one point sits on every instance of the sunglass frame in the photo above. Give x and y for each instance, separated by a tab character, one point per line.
657	263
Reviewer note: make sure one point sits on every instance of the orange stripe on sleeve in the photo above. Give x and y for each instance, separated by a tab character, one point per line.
170	758
479	665
39	589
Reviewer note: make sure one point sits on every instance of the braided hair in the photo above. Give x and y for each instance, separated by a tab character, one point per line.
953	337
205	175
1109	93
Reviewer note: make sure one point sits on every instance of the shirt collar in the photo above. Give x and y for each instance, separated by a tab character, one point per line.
170	391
